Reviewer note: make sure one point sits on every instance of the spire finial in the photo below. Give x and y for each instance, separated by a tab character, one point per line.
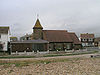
37	16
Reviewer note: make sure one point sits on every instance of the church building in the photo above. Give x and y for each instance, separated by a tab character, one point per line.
44	40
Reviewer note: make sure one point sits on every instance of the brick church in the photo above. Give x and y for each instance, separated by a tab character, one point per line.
44	40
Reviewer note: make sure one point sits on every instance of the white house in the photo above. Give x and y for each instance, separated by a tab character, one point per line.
4	38
87	40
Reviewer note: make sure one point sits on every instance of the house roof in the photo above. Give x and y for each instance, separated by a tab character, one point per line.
74	37
13	37
37	25
4	30
56	36
31	41
87	35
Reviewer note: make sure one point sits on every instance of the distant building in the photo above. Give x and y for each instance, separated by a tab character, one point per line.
58	39
47	40
13	39
97	41
87	40
4	38
26	37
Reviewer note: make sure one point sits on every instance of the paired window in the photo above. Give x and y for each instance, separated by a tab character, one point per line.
84	39
87	39
90	39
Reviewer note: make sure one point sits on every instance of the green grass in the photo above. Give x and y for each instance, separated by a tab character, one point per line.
9	57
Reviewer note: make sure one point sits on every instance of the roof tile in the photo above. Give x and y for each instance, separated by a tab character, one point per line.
74	38
87	35
56	36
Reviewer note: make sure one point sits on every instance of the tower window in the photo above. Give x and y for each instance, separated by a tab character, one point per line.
0	36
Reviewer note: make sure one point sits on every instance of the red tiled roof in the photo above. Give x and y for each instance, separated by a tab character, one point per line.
74	38
56	36
87	35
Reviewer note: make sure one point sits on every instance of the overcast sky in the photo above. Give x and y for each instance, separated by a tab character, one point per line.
79	16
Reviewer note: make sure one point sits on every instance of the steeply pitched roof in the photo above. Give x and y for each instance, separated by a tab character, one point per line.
74	37
56	36
4	30
37	25
87	36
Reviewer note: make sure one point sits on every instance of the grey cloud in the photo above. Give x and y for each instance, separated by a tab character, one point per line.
73	15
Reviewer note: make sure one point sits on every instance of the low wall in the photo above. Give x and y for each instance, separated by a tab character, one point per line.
29	53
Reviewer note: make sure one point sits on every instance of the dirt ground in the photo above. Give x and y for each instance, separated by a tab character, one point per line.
72	65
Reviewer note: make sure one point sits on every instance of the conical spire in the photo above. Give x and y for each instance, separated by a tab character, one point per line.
37	25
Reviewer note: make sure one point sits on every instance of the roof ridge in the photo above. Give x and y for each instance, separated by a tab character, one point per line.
54	30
